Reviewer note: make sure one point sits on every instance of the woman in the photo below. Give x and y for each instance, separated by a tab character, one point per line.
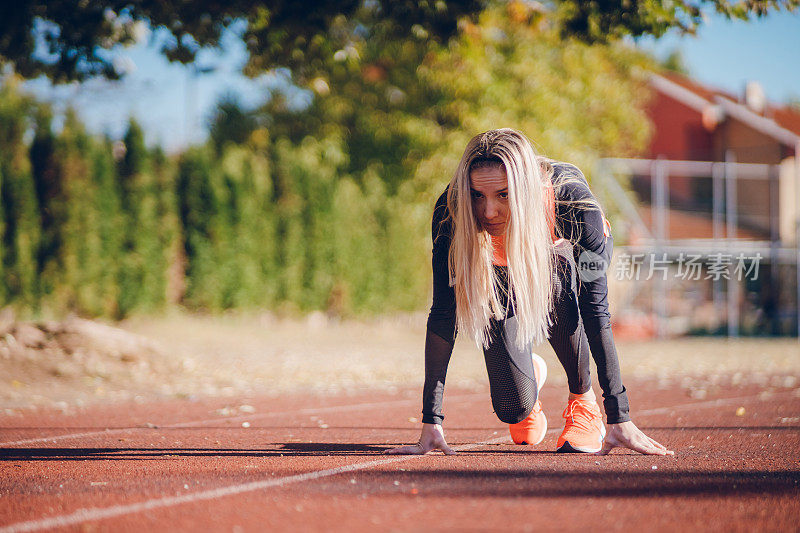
507	232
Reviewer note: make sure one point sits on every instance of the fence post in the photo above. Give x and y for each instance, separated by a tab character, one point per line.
731	206
660	201
797	229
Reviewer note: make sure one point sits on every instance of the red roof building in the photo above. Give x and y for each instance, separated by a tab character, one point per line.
720	175
694	122
699	123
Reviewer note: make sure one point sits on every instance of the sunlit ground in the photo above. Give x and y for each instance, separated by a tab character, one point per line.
261	354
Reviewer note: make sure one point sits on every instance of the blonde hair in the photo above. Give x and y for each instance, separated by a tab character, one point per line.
529	247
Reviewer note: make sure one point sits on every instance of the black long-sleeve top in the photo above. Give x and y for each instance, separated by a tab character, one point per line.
582	226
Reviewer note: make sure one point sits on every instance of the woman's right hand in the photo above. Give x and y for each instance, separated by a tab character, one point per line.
432	438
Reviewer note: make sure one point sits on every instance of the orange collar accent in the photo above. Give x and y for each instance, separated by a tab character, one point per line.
499	250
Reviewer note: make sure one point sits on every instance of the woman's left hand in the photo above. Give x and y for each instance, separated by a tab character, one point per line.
627	435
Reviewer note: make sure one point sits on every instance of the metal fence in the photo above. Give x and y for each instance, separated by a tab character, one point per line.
727	239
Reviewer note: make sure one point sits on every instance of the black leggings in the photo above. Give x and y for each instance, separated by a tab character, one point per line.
511	379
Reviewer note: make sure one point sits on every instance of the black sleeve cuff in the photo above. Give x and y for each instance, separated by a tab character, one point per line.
616	407
432	419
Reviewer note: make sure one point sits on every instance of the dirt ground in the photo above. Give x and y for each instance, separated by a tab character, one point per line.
75	362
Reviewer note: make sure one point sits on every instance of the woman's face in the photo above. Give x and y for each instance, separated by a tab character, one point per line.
489	188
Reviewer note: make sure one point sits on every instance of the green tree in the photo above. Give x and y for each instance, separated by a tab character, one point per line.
70	262
66	41
573	100
306	174
110	229
47	181
143	283
3	287
675	62
169	229
20	225
374	100
251	248
199	208
607	21
406	108
230	123
358	279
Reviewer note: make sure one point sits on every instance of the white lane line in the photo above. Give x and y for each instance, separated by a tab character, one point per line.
59	437
93	514
351	407
317	410
100	513
249	417
743	400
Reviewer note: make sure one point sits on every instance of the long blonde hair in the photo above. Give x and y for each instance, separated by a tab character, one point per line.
529	247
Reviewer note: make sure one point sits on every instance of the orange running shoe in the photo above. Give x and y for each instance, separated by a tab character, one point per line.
533	429
584	430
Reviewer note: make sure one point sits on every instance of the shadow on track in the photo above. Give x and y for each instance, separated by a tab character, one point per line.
538	483
41	429
534	482
449	429
275	450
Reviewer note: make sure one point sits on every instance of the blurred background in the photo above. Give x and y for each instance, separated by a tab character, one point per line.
169	168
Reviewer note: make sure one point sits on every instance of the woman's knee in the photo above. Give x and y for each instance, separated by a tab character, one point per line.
515	417
514	404
511	377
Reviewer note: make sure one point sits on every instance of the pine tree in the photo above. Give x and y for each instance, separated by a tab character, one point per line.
110	227
70	261
173	256
143	273
198	207
250	252
46	177
3	287
21	226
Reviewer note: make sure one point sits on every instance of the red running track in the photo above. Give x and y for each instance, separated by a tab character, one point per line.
316	464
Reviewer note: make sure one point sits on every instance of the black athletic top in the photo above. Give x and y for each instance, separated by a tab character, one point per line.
581	226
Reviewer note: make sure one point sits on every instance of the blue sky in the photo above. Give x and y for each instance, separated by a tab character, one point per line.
173	103
727	53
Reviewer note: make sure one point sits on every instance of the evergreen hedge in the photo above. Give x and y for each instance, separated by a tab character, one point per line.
106	229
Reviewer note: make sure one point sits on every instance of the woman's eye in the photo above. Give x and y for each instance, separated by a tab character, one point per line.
503	195
476	194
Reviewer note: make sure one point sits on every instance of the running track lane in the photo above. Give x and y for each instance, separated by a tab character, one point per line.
234	419
163	501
